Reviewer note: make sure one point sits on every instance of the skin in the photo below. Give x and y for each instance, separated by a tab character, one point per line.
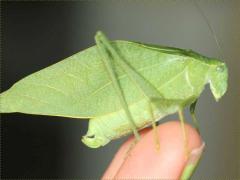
143	160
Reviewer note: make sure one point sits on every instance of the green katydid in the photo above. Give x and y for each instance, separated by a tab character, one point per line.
120	86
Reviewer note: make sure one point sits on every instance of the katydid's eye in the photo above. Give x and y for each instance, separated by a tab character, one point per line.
220	68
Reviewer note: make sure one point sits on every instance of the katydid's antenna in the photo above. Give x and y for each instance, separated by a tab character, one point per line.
210	28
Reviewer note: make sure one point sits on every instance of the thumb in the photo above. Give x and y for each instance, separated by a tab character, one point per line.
143	160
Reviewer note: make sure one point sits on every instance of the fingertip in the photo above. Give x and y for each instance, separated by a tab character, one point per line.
121	155
145	161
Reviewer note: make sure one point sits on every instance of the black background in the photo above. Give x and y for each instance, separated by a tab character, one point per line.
36	35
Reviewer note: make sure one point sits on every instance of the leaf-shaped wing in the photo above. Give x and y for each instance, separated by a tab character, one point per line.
79	86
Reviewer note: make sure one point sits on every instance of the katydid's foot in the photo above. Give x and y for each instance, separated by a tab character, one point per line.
156	137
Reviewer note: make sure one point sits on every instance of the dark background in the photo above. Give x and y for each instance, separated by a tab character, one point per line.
38	34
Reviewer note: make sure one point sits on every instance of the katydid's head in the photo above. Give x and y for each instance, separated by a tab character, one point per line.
94	137
218	77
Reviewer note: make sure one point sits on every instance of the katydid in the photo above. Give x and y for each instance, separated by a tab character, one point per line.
120	86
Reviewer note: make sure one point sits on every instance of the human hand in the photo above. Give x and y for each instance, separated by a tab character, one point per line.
144	161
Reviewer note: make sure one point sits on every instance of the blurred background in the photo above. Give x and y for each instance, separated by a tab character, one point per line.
38	34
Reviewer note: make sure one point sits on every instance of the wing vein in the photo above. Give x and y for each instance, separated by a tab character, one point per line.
48	86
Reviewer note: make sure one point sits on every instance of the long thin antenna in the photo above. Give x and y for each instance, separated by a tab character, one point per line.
210	28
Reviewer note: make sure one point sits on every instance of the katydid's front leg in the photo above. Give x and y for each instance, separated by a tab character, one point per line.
192	112
109	67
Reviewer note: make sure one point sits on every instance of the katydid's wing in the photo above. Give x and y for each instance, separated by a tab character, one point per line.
79	86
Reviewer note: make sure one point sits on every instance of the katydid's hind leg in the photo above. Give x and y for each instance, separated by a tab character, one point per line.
106	59
147	89
192	112
184	132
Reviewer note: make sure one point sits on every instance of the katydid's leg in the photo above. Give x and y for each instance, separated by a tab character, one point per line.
156	137
192	112
109	67
185	138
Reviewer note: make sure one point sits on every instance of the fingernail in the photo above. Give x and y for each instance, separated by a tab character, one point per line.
192	162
